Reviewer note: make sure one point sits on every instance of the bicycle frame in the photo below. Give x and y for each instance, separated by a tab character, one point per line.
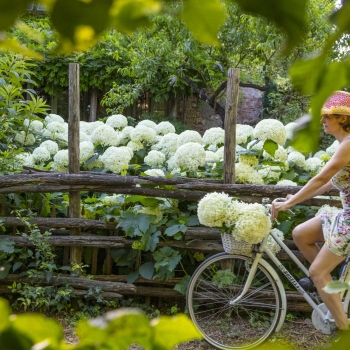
258	258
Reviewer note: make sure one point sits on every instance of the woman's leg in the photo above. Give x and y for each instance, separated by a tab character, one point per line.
320	271
306	235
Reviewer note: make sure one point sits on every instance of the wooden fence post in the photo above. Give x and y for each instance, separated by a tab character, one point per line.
73	147
232	93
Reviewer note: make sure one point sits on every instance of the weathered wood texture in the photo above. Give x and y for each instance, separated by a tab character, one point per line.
232	93
73	155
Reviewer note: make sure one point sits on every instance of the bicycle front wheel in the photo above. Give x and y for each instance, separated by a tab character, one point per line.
240	325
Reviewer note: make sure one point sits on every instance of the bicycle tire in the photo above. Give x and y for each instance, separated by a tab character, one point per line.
251	321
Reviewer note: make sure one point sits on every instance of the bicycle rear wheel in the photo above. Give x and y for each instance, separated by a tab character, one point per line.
245	324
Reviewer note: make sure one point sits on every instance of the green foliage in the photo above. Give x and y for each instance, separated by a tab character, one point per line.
116	330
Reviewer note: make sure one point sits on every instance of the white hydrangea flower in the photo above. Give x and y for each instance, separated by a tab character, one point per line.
62	140
211	156
105	135
332	148
325	157
172	164
189	136
51	146
85	127
270	129
286	182
164	128
246	174
35	125
155	172
297	158
270	173
25	159
154	158
220	153
125	133
290	149
56	127
212	209
149	123
61	158
314	164
116	159
233	211
280	155
117	121
51	118
289	129
214	136
318	154
190	156
168	144
25	139
83	136
253	224
143	133
115	199
130	150
271	243
243	133
249	160
135	145
87	150
41	154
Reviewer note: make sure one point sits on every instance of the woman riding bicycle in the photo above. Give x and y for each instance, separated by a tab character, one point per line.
335	231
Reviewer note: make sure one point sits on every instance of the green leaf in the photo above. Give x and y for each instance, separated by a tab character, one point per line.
336	287
289	175
130	14
203	19
270	147
17	265
181	286
131	277
9	12
5	312
7	246
146	270
285	226
172	230
222	278
4	270
193	220
168	257
170	331
286	14
150	240
83	21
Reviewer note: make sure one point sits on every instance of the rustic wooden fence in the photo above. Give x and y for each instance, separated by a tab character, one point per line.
197	239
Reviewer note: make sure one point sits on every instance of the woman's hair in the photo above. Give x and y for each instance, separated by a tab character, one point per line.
346	125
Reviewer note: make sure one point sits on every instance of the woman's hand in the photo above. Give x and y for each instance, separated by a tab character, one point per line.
279	206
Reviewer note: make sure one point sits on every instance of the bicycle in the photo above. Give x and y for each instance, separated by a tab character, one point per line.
237	300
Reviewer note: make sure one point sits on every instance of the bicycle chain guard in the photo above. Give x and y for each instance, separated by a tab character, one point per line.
319	323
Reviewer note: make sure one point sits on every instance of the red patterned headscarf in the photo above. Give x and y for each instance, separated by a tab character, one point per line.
338	103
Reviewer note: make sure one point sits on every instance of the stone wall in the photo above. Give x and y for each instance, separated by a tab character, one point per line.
198	115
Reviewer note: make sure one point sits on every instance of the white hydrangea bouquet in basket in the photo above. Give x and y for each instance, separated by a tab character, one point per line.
241	224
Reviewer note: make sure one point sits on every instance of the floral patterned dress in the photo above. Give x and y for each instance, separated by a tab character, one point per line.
336	226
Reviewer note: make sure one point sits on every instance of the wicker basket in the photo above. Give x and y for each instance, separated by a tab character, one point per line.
232	246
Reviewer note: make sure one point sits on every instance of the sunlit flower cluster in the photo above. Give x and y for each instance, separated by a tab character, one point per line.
272	244
270	129
41	154
155	158
164	128
87	150
190	156
114	200
35	125
247	159
314	164
189	136
286	182
54	118
214	136
117	121
332	148
116	159
143	133
244	133
105	135
155	172
25	139
279	156
246	174
297	158
149	123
